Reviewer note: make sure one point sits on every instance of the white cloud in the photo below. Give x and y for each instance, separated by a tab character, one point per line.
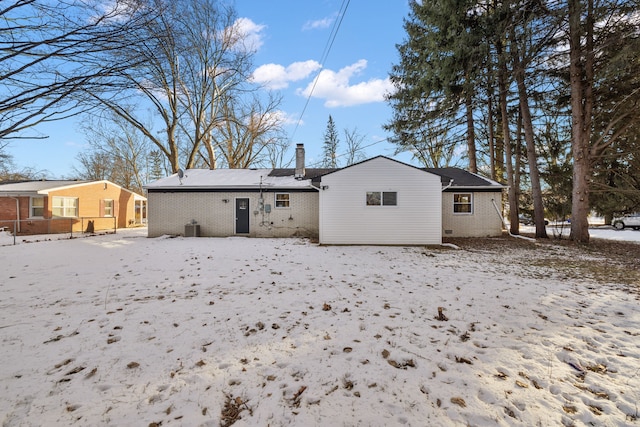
337	91
319	23
284	118
113	11
251	33
276	76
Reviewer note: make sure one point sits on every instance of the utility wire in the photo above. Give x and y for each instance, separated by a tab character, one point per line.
323	58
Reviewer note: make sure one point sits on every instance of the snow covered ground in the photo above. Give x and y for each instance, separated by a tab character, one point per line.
125	330
597	232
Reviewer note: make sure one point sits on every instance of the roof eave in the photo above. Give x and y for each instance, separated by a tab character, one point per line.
475	187
231	188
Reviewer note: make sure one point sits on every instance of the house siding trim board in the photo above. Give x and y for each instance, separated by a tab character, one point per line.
227	190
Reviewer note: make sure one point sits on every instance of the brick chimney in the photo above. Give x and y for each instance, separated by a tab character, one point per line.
299	173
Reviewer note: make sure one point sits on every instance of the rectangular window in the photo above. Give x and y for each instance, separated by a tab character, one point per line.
382	198
65	207
389	198
108	207
373	198
462	203
282	200
37	207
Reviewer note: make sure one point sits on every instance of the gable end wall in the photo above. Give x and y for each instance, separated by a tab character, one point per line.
346	219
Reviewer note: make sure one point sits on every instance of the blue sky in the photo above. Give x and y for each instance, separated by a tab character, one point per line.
291	38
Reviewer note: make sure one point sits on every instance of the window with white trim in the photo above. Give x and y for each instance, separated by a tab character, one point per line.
108	207
382	198
66	207
36	208
462	203
283	200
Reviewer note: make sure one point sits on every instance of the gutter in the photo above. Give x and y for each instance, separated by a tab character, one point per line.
17	215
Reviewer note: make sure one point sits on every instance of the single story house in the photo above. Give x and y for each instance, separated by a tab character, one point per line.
58	206
376	201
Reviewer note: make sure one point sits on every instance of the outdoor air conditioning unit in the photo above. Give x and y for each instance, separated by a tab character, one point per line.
192	229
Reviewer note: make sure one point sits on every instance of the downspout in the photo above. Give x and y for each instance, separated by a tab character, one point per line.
443	190
17	214
504	224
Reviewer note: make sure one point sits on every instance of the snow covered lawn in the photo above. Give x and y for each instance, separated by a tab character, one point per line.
126	330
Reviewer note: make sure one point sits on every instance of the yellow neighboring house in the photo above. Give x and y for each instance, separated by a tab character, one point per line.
62	206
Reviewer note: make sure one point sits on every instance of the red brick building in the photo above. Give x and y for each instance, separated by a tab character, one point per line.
40	207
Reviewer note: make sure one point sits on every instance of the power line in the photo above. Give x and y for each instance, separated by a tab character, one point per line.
323	58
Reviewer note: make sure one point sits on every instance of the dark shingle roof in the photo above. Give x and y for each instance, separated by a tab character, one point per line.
461	178
308	173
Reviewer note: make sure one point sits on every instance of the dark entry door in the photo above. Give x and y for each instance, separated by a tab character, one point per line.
242	216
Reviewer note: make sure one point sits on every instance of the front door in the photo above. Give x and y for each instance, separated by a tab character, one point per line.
242	216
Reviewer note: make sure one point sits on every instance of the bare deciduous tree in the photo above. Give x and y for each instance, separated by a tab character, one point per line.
49	51
355	150
117	152
194	77
251	136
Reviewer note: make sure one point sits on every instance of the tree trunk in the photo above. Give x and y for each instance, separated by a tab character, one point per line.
581	64
504	114
492	136
534	173
471	137
517	157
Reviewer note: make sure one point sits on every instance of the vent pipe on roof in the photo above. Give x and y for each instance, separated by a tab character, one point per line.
299	173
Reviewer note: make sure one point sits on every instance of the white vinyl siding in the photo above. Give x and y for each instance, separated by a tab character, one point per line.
346	219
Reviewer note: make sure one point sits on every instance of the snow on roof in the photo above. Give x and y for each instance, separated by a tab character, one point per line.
36	186
285	179
229	178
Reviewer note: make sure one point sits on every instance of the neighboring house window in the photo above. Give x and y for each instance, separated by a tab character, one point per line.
108	207
65	206
462	203
282	200
382	198
37	207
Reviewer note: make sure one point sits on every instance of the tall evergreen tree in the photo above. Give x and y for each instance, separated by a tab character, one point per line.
330	145
512	63
615	187
603	110
156	169
436	76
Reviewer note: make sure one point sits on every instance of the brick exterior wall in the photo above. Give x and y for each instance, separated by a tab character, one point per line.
482	222
90	197
170	212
